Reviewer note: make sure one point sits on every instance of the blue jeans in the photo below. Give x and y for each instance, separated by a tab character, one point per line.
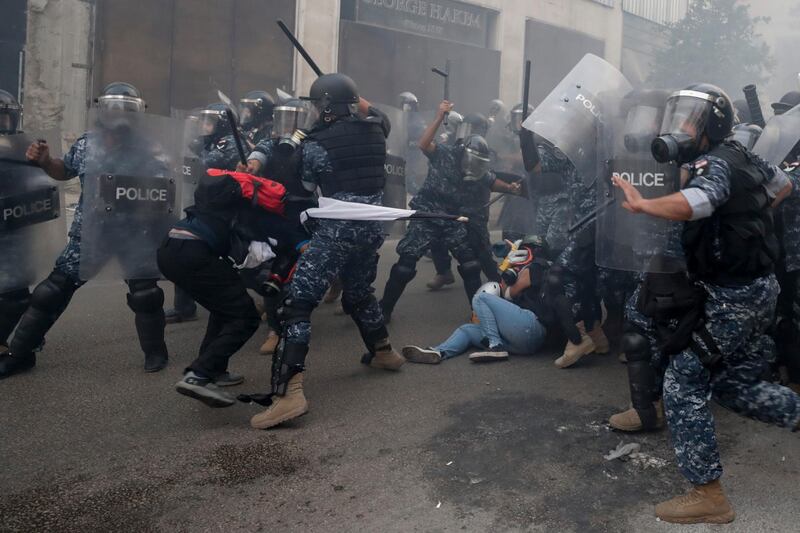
504	324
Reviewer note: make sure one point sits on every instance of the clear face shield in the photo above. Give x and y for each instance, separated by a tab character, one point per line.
209	122
463	130
685	118
641	127
290	124
118	102
474	165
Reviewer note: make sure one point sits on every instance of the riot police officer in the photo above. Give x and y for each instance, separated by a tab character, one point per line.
13	302
448	167
51	297
730	247
255	111
280	158
344	155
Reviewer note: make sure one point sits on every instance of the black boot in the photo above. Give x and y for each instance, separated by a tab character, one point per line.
11	364
402	273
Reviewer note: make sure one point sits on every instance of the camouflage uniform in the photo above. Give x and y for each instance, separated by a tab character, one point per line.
221	154
344	248
552	213
439	194
736	319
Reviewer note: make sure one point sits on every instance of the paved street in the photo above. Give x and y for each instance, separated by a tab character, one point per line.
88	442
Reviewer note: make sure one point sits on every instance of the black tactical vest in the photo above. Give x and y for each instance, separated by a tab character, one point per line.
737	243
357	150
286	169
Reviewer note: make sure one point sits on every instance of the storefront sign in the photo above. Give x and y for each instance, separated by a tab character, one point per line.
443	19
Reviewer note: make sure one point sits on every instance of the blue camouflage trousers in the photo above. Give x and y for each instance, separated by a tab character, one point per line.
736	320
346	249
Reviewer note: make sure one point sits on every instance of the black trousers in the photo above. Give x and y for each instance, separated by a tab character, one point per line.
213	283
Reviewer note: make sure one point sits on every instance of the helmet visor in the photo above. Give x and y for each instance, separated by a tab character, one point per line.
287	119
474	164
118	102
209	122
686	113
464	130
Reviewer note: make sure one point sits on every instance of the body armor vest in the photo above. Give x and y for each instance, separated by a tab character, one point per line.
357	150
737	243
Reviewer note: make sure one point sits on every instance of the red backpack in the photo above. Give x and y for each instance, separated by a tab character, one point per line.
263	192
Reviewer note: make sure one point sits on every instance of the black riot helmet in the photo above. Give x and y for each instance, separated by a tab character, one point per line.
473	124
746	134
10	114
475	158
255	109
643	113
121	96
789	100
214	123
515	120
409	101
699	110
448	136
334	95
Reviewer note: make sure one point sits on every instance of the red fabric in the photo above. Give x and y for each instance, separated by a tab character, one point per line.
270	196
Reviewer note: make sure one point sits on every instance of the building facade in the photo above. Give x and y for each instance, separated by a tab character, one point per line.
179	52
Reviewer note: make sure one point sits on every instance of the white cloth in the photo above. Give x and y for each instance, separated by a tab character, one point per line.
258	253
340	210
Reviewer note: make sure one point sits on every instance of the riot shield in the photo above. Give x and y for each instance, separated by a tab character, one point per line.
396	145
193	168
131	193
627	241
570	117
32	222
779	137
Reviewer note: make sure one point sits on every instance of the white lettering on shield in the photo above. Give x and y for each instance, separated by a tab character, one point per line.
141	195
642	179
26	210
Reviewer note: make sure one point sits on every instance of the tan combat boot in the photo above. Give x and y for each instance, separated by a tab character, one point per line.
386	357
284	408
3	348
440	280
629	420
703	504
599	339
268	348
573	352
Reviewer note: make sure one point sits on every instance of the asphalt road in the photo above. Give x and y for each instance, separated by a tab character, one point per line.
88	442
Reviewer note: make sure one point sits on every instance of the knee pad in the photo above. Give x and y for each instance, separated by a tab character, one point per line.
405	269
53	294
635	346
145	296
470	269
295	311
352	307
